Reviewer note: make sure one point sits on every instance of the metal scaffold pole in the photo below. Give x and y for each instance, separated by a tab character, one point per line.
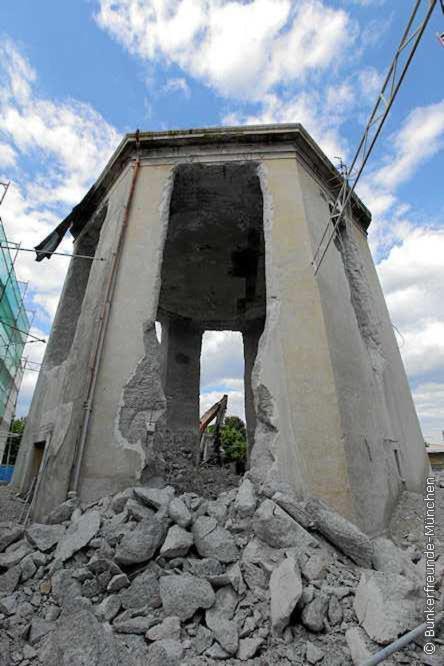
411	37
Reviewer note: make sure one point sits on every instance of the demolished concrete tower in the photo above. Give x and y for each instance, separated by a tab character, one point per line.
215	230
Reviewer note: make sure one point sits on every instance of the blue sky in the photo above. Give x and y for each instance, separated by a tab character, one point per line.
75	76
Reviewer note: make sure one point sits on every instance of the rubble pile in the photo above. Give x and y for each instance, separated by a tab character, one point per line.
147	577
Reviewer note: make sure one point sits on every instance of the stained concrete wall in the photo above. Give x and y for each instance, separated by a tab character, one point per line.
129	390
298	436
331	400
57	408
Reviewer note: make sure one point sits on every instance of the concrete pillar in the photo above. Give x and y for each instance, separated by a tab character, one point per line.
250	335
183	341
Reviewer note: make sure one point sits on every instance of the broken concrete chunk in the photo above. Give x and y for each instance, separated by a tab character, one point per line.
212	540
78	535
141	543
27	567
294	508
218	618
9	533
177	543
183	595
391	559
226	633
63	512
386	605
119	500
134	625
334	613
44	537
169	628
278	529
313	654
341	532
357	644
178	511
285	591
217	652
248	648
80	639
245	502
258	552
108	609
313	615
143	591
39	629
138	511
155	498
208	566
166	652
14	554
118	582
316	566
9	580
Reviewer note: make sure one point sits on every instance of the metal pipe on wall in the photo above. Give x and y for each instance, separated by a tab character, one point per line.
104	320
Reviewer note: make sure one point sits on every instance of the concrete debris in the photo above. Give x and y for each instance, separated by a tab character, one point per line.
9	533
313	615
177	543
63	512
313	654
357	643
274	526
14	554
44	537
386	605
78	535
166	652
214	541
140	544
341	532
183	595
184	580
169	628
245	503
179	513
285	591
155	498
248	648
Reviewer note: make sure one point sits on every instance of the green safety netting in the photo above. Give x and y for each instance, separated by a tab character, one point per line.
14	323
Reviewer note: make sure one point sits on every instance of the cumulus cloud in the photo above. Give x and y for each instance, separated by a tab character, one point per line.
177	85
51	151
420	137
429	399
222	368
240	49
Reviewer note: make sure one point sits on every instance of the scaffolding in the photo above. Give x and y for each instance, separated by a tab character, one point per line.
14	330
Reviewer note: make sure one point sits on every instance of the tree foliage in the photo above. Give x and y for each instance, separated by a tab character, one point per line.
13	443
233	435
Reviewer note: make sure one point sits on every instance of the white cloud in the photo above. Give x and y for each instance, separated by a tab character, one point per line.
429	400
240	49
307	108
177	85
8	155
67	144
420	137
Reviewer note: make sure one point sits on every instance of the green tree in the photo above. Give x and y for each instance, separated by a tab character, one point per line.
13	442
233	434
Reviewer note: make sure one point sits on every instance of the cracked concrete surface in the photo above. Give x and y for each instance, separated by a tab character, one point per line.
220	236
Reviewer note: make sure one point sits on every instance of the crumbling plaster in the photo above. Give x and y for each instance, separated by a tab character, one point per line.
330	394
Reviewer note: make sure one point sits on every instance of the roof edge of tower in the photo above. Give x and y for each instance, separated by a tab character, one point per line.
314	158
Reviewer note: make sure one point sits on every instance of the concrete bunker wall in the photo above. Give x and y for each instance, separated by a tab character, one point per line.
57	408
384	455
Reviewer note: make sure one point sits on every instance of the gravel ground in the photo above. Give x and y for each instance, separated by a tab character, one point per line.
11	506
407	525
